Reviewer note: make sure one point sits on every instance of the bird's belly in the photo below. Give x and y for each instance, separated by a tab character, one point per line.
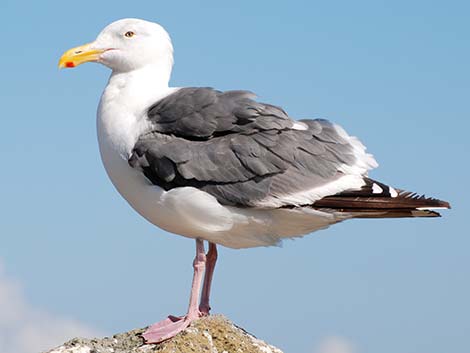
184	211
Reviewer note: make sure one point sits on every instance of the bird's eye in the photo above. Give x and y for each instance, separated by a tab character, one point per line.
129	34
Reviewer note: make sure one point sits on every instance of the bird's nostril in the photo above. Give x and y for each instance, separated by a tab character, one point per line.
78	51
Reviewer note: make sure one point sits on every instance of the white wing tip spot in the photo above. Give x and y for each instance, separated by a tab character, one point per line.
393	192
376	189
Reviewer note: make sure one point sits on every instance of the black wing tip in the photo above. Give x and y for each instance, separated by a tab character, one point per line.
430	202
365	204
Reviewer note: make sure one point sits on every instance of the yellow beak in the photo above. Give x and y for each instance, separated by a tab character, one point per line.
79	55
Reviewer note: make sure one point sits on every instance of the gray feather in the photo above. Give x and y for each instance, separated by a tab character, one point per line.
237	149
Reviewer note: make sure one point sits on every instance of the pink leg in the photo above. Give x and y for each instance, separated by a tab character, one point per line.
172	325
211	259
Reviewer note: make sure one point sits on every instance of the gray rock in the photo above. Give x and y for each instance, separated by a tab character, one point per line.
212	334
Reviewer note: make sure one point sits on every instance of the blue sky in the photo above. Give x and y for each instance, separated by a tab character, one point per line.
396	74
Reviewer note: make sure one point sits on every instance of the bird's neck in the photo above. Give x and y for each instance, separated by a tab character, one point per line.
122	111
139	88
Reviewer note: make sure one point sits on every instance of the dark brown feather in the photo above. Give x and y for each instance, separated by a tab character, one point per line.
405	204
404	200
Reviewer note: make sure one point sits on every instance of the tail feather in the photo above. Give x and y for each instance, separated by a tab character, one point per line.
377	200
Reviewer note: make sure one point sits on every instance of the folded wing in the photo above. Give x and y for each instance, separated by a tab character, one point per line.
246	153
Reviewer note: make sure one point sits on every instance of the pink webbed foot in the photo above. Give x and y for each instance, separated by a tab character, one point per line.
172	325
168	328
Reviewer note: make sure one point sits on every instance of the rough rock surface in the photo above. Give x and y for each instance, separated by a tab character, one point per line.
212	334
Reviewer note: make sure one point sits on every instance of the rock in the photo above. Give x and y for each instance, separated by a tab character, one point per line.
212	334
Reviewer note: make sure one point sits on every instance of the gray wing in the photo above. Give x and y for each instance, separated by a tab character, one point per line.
203	113
243	152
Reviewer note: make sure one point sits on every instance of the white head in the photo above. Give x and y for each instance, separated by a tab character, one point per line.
125	45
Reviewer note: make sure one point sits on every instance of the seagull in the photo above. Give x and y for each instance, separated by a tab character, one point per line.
220	166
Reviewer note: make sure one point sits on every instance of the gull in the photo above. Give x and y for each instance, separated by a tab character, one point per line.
223	167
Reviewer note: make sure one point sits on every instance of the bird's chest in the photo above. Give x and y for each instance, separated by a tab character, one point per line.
119	126
119	123
121	116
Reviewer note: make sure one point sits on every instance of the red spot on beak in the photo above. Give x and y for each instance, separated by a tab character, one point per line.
69	64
